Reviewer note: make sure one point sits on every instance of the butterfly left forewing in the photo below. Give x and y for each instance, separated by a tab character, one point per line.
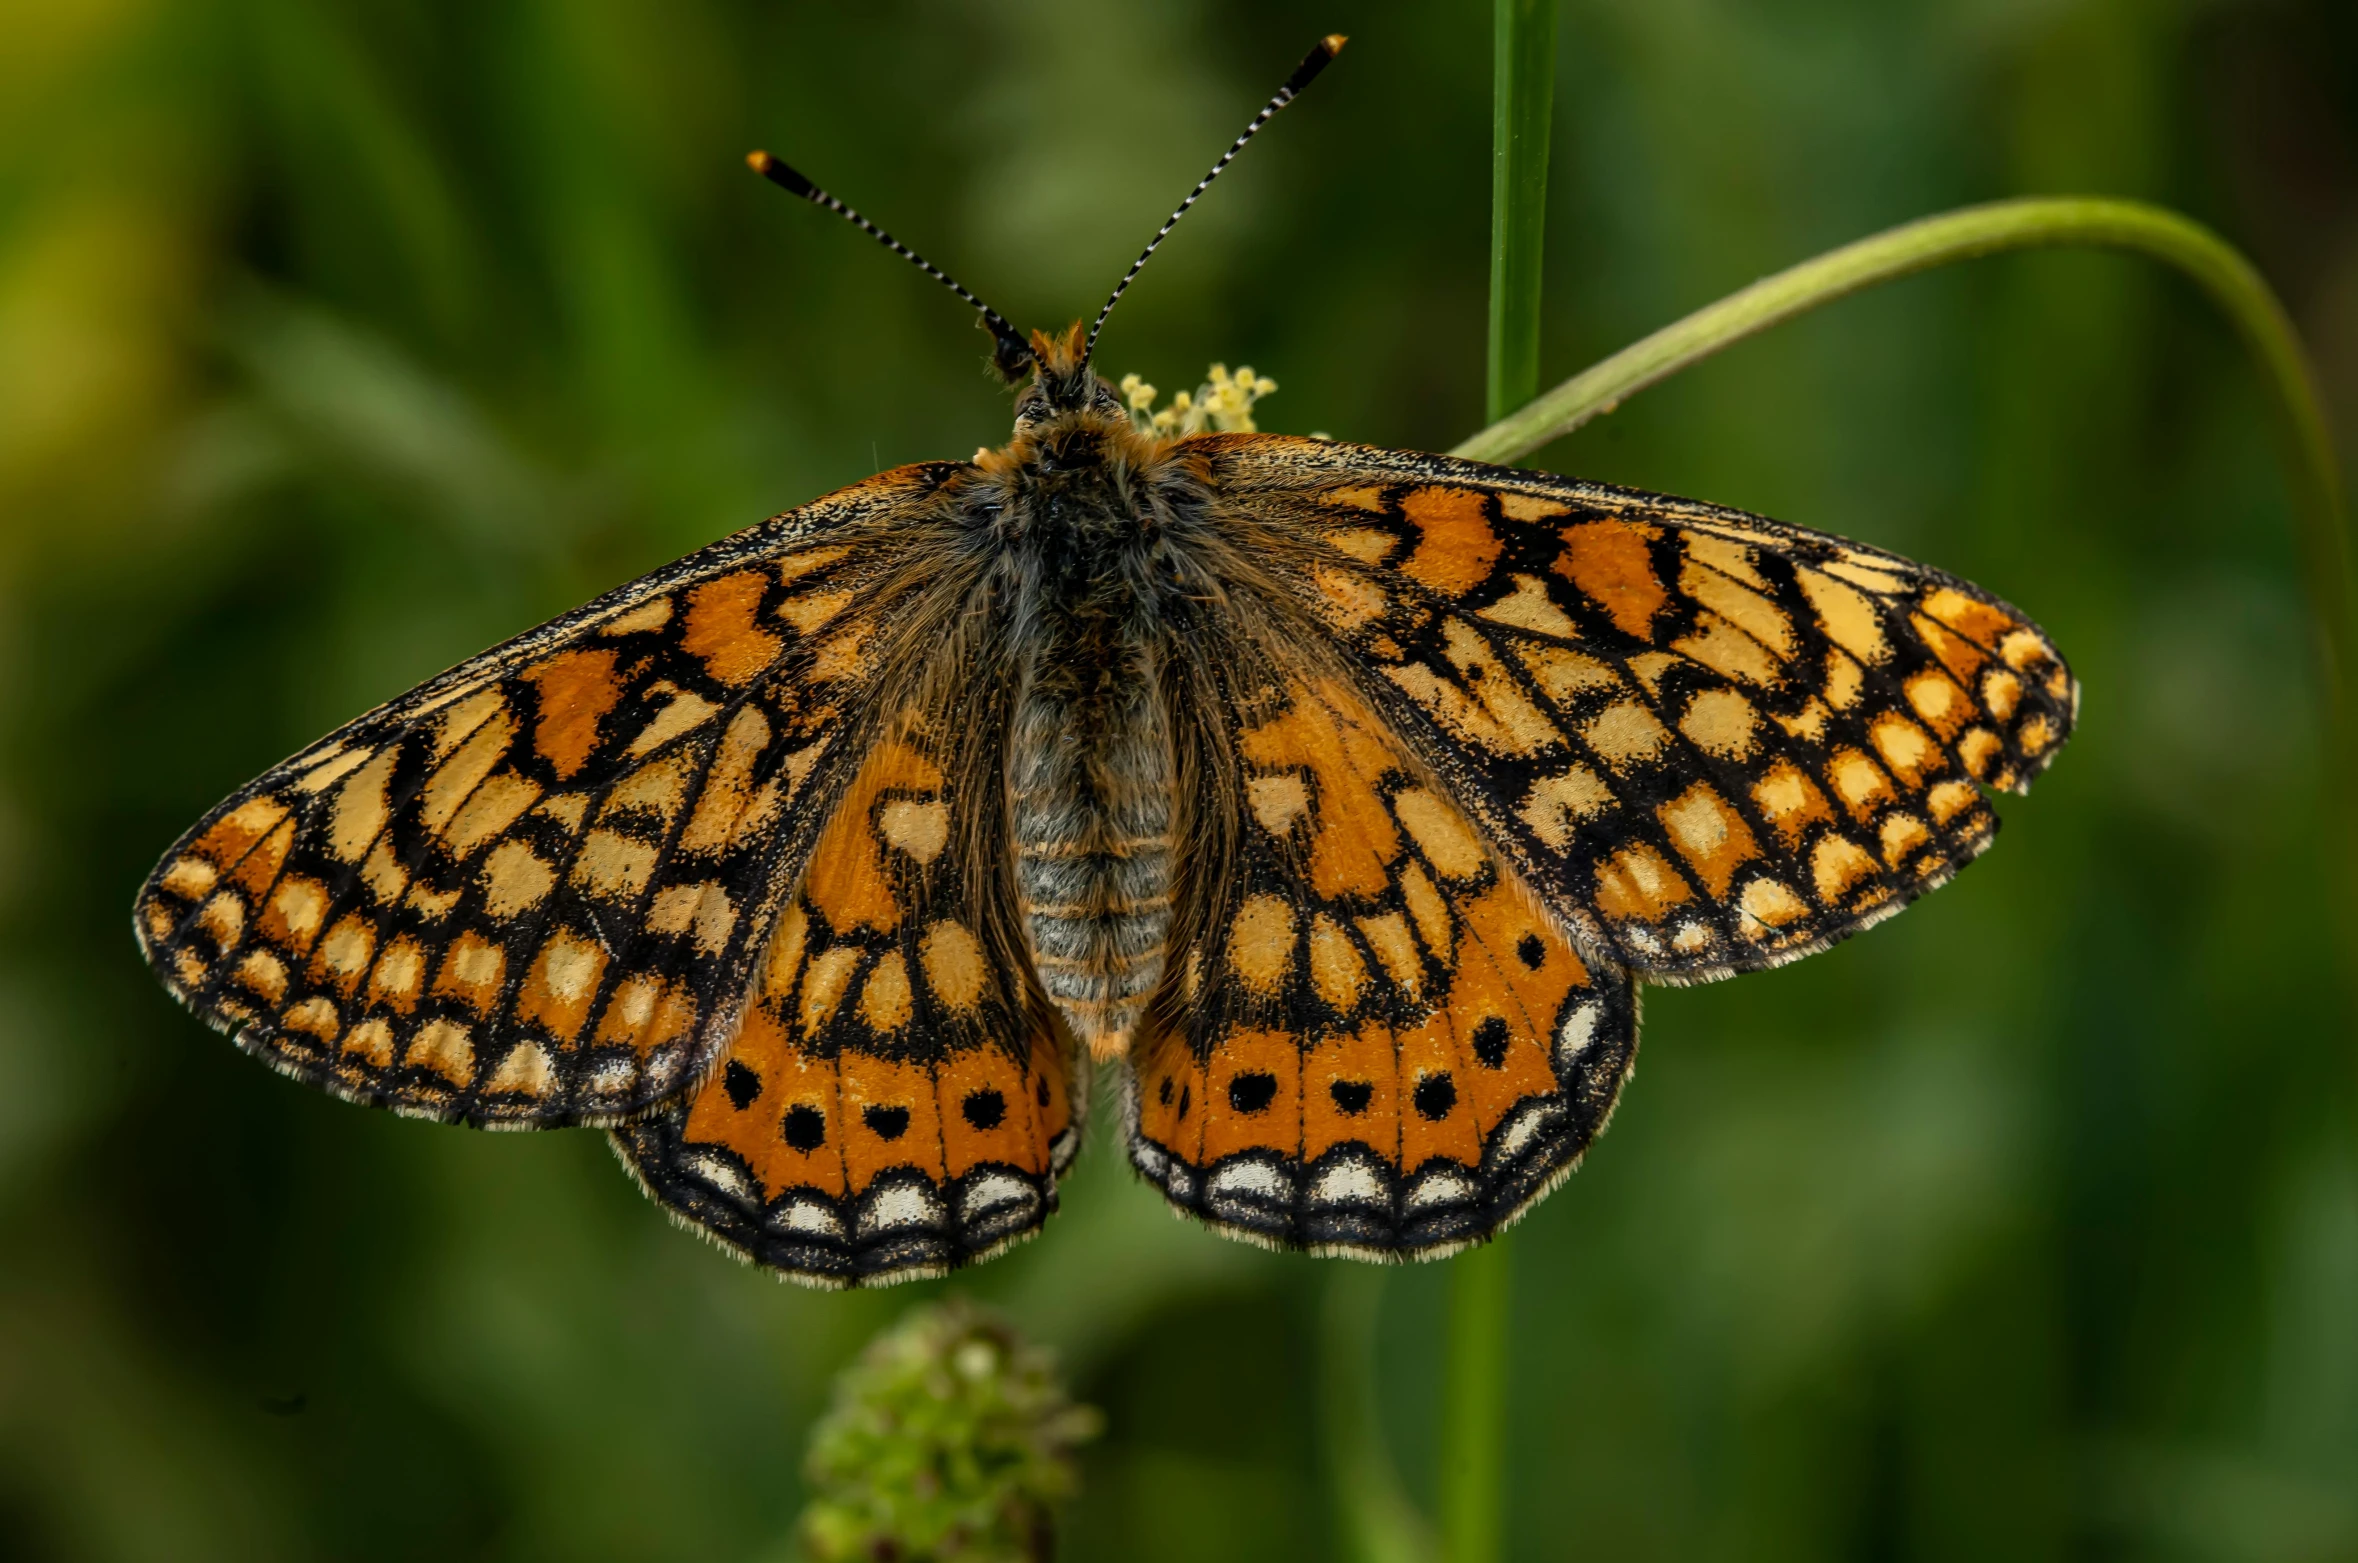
1372	1040
1710	742
528	891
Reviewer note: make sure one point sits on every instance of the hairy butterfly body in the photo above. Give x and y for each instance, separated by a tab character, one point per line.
1335	798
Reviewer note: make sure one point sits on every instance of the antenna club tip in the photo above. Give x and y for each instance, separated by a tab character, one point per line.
782	174
1316	60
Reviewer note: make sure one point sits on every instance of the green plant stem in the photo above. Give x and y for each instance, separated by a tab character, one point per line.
1473	1441
2035	222
1523	94
1473	1416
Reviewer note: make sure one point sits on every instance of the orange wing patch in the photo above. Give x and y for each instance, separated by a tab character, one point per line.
1708	742
1388	1049
895	1103
531	891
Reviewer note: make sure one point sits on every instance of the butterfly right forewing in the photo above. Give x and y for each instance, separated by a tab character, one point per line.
1711	742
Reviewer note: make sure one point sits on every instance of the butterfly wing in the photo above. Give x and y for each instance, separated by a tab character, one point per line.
1373	1040
898	1101
1709	741
530	891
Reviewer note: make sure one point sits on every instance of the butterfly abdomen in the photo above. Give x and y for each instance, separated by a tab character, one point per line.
1089	767
1090	807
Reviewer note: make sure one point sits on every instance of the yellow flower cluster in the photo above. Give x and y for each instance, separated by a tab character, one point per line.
1224	402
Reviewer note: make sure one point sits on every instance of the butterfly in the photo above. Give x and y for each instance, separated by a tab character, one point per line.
1334	799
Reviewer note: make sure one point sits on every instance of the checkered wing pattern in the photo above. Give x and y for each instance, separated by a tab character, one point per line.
1709	742
898	1100
1373	1040
530	891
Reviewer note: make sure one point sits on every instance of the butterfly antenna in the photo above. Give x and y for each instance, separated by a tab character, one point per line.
1305	73
1010	353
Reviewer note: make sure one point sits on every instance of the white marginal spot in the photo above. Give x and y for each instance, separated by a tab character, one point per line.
1439	1188
1578	1031
1525	1126
804	1215
994	1193
901	1205
1352	1182
1251	1180
717	1171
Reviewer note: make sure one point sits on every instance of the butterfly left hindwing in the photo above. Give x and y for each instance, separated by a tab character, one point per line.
897	1100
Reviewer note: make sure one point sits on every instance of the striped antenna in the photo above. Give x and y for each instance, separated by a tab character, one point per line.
1010	352
1305	73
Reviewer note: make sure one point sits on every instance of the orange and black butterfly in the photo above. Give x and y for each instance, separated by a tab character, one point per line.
1336	798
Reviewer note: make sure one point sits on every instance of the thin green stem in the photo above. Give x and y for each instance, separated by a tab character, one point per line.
2202	255
1524	90
1473	1440
1473	1417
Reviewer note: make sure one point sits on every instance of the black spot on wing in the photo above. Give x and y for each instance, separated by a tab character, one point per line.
1436	1096
1490	1039
805	1129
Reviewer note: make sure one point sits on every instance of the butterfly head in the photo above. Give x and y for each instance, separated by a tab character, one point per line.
1072	430
1062	382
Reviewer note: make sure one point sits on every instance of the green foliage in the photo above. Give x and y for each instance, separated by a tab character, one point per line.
949	1441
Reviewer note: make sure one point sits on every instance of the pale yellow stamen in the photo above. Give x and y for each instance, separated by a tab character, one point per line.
1224	402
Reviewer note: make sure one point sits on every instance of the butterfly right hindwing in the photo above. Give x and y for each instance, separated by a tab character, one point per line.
1373	1040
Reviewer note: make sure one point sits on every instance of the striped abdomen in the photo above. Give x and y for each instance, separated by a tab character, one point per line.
1089	803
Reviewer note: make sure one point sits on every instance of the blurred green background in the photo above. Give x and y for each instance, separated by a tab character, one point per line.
338	340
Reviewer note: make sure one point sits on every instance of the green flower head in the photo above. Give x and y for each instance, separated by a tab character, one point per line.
949	1438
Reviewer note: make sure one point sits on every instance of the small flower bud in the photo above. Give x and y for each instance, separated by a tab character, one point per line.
949	1438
